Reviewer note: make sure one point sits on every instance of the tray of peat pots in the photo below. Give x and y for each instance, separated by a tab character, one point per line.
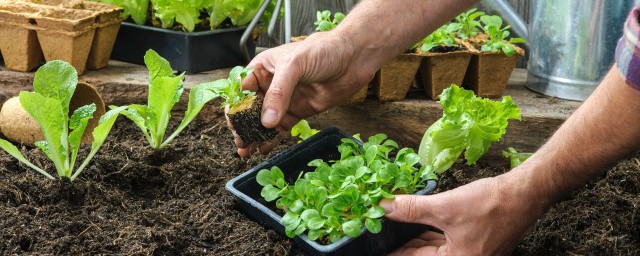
494	58
204	37
330	191
29	31
323	23
445	61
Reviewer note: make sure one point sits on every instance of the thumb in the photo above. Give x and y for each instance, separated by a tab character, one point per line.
278	96
410	208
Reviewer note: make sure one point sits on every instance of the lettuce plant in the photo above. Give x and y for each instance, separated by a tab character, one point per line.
469	124
230	89
340	198
324	21
54	85
444	37
492	26
303	131
469	24
136	9
165	90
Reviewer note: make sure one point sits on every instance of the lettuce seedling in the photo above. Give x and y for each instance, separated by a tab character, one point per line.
138	10
444	37
324	22
165	90
515	157
244	107
54	85
303	131
341	197
492	26
469	124
469	24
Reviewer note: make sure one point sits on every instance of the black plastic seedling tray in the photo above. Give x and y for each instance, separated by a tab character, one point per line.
191	52
323	145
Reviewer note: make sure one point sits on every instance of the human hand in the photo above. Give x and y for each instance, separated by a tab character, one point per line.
486	217
302	79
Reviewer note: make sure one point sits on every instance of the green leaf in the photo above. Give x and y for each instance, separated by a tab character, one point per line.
297	206
352	228
158	66
309	214
198	97
290	219
53	122
373	225
160	103
44	146
57	80
374	212
15	152
138	114
314	234
270	193
303	131
315	223
515	157
78	123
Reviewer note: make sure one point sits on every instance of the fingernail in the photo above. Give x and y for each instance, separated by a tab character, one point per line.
269	117
387	205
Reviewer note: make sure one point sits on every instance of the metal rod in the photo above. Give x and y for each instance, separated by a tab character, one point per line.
272	23
247	33
287	21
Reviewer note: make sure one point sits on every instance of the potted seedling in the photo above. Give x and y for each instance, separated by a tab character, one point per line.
244	108
49	105
469	25
493	60
324	192
194	36
446	59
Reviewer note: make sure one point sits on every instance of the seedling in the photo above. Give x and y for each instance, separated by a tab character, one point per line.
324	22
54	84
469	124
340	198
165	90
303	131
469	24
442	37
515	157
245	107
492	26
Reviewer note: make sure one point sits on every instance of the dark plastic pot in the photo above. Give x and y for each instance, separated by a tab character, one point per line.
191	52
321	146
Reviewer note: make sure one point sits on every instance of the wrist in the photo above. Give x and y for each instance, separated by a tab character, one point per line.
523	189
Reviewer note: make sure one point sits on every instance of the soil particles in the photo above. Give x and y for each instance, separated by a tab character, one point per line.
133	200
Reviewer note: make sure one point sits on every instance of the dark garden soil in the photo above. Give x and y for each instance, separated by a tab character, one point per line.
133	201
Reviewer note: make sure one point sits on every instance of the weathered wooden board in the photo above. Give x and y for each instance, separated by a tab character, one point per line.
404	121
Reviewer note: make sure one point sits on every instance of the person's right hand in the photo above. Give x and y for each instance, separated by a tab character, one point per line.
302	79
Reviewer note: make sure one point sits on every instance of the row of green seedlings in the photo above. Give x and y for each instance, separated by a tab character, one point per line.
339	198
54	85
468	26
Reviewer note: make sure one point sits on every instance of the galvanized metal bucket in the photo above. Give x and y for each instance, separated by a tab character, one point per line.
571	42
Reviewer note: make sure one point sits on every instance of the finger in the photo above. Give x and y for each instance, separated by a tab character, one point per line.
259	80
266	147
413	209
278	96
288	121
421	251
432	235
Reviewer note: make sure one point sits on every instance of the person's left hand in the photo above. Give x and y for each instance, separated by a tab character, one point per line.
485	217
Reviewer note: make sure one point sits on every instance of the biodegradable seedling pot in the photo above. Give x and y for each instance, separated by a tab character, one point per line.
439	70
488	73
394	78
18	126
108	25
66	34
191	52
293	161
18	41
246	122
